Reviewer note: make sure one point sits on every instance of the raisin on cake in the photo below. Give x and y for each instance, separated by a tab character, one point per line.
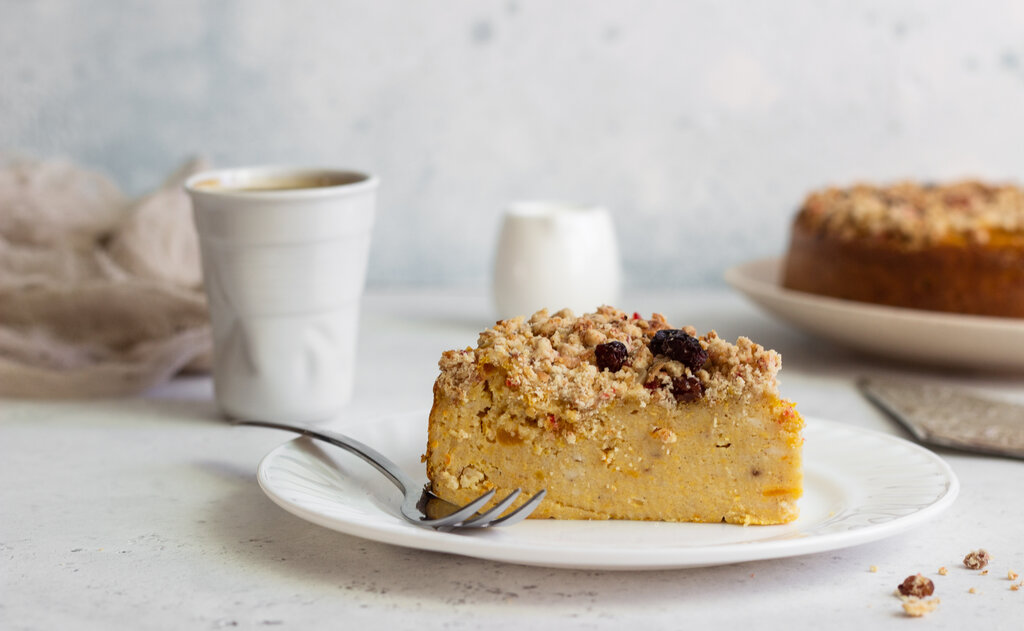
618	417
955	247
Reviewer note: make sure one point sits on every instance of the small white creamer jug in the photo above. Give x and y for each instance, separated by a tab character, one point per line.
555	255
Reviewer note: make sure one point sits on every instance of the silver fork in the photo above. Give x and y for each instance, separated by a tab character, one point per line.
464	517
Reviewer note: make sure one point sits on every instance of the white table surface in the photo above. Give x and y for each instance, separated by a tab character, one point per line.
145	513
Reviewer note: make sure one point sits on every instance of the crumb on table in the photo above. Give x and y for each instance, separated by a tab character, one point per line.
916	607
916	585
977	559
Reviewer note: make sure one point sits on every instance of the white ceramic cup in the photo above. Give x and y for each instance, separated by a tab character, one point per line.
284	254
554	255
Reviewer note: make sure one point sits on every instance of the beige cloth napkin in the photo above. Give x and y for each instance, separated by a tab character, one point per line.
100	295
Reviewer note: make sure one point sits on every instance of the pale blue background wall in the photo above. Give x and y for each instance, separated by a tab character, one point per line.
700	124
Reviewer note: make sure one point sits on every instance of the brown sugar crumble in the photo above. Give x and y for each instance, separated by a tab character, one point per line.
972	591
977	559
915	214
943	571
554	357
1011	575
916	585
873	568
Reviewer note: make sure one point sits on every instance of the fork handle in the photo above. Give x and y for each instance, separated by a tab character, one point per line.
381	463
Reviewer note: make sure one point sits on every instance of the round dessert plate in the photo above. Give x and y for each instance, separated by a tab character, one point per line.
859	486
929	337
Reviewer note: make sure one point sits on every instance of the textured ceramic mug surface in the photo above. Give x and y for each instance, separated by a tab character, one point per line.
284	254
554	255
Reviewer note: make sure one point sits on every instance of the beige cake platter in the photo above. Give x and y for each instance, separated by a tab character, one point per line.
929	337
860	486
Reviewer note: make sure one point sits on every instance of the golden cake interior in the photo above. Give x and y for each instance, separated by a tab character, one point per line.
533	407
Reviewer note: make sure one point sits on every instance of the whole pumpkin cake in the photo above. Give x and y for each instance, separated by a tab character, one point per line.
618	417
956	247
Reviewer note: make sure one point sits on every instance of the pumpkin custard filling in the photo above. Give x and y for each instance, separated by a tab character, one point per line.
618	417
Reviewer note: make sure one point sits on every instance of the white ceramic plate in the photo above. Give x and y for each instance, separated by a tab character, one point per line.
859	486
931	337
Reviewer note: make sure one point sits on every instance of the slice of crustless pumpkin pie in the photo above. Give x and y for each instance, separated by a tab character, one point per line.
618	417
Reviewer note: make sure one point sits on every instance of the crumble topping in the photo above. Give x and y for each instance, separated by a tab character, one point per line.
553	358
917	215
